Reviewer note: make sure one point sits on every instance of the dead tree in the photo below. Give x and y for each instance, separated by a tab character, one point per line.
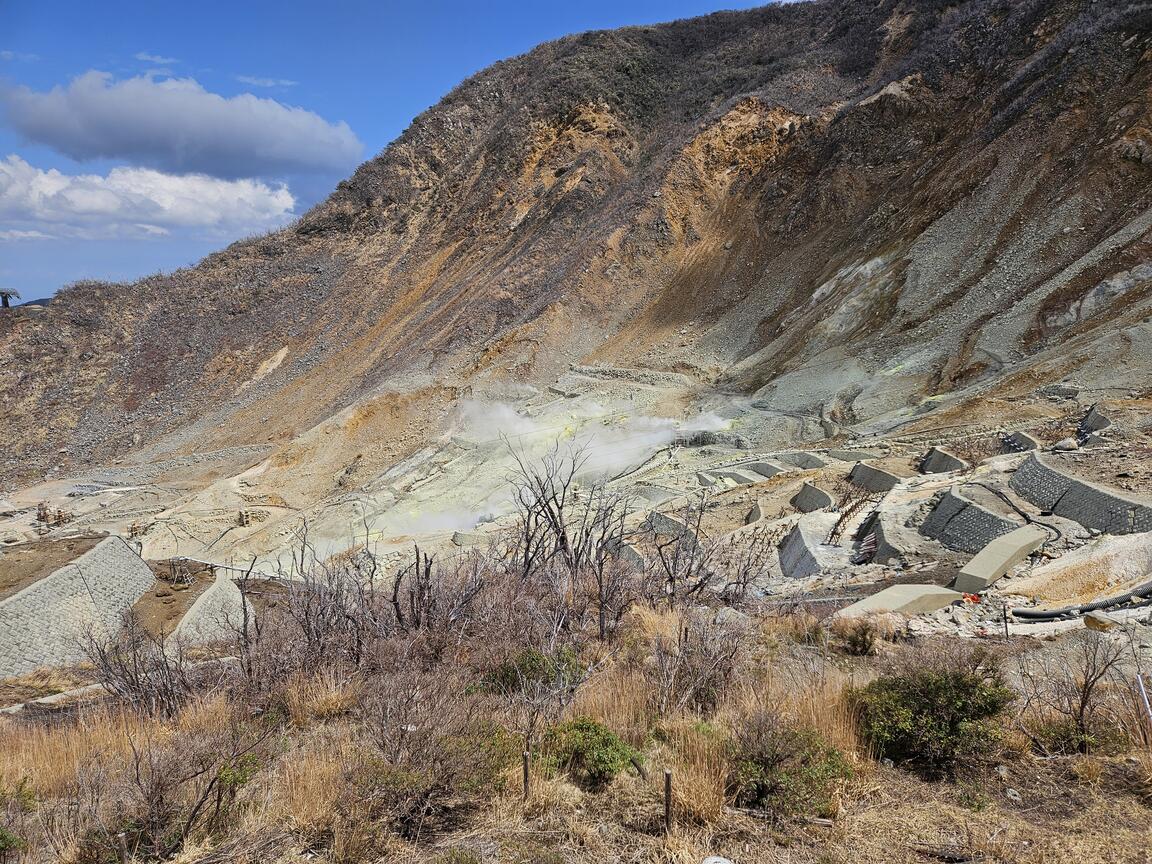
1075	686
683	552
569	537
149	672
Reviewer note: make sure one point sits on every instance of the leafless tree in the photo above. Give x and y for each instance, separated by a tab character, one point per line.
568	534
744	558
150	672
684	554
1076	684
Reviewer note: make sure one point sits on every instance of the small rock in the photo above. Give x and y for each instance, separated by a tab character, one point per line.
1066	445
1013	795
887	763
1002	772
1100	621
715	859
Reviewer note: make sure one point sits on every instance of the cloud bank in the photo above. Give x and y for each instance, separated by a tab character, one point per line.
176	126
133	202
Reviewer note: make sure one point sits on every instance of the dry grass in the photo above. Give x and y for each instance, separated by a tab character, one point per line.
49	759
796	627
811	694
621	699
315	698
41	683
311	780
696	754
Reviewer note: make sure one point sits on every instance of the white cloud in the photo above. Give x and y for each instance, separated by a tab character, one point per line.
177	126
156	58
11	56
253	81
24	235
134	202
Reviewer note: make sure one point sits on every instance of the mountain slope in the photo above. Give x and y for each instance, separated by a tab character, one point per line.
837	209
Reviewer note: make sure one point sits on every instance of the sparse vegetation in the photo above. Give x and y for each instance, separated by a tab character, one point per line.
783	768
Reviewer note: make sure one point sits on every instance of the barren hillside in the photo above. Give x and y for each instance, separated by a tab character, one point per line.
839	210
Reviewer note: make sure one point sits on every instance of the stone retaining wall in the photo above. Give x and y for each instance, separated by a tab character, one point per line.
964	525
1092	505
872	478
217	613
46	623
940	461
1020	442
811	498
803	552
663	524
800	459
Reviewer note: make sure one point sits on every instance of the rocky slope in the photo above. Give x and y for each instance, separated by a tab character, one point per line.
845	214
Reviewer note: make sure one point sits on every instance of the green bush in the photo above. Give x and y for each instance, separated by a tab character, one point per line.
784	769
530	666
587	751
936	712
9	842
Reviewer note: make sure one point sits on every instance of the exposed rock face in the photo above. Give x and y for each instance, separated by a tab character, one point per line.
836	208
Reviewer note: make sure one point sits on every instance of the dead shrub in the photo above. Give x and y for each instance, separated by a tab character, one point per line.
784	768
434	748
150	673
692	669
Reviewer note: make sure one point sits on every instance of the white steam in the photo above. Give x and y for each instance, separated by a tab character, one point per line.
610	440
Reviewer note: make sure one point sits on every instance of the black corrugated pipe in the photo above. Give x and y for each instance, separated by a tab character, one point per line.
1140	592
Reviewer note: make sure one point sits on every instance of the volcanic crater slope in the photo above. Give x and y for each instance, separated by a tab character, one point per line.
841	216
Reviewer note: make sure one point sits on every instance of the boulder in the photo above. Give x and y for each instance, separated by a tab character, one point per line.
1099	621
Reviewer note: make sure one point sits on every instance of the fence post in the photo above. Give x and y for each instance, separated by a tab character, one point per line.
526	782
1144	697
122	847
667	801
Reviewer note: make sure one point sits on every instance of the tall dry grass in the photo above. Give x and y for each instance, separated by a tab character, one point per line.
49	758
696	753
620	697
310	782
314	698
810	693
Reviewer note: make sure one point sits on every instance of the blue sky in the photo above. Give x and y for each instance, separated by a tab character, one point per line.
139	136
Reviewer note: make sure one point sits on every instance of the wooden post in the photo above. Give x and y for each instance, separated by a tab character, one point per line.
1006	639
667	801
526	775
122	847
